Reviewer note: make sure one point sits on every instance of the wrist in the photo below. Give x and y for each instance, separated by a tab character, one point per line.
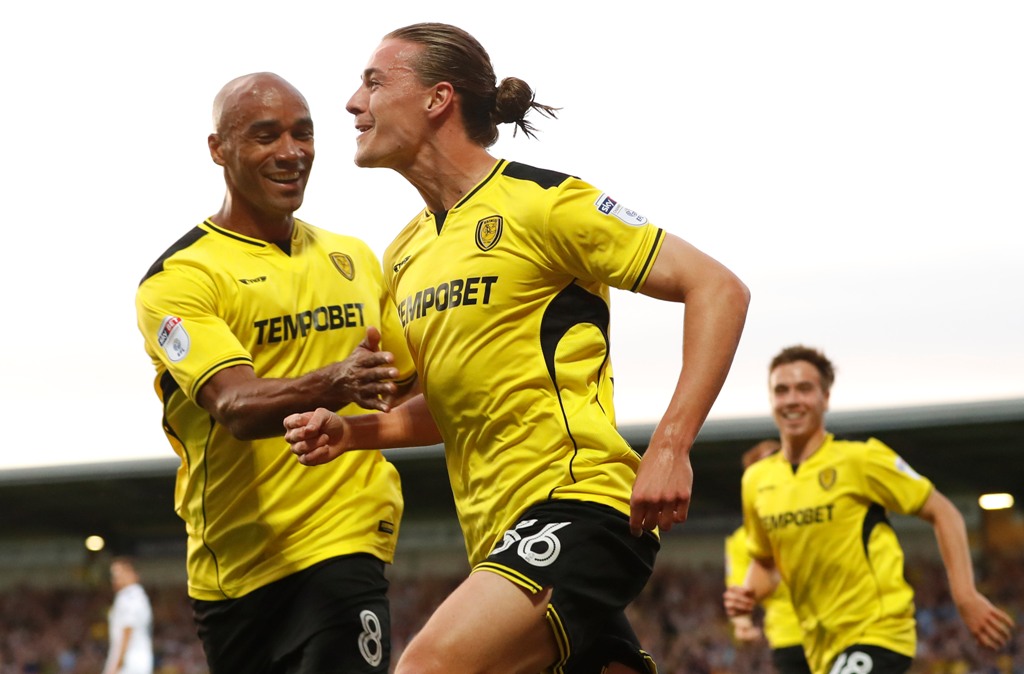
963	597
345	442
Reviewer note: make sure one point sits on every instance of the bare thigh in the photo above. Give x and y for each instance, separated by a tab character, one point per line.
487	625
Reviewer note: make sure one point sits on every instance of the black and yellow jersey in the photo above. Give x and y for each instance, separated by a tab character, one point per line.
824	522
217	299
505	302
781	626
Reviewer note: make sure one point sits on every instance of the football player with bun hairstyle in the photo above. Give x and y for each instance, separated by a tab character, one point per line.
502	283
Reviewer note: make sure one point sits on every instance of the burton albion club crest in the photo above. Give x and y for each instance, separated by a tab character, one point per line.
343	263
488	232
827	478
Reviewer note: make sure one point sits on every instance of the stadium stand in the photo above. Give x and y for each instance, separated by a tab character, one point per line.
54	594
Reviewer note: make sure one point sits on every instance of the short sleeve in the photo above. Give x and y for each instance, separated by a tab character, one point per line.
177	315
890	481
136	610
596	238
737	559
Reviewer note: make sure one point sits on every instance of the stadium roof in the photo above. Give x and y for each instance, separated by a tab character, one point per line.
966	449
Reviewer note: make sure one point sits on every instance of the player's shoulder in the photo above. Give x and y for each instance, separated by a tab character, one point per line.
189	245
852	447
541	177
534	192
877	445
863	455
764	467
334	239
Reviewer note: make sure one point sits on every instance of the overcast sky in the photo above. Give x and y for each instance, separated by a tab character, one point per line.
859	165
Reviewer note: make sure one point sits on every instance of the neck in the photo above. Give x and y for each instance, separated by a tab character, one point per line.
799	449
237	216
444	172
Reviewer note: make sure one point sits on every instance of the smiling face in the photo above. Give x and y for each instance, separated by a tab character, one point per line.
391	108
264	141
799	402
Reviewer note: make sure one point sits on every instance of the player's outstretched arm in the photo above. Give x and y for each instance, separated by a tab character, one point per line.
716	309
321	435
990	626
252	407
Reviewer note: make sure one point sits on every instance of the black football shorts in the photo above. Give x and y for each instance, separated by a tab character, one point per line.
595	567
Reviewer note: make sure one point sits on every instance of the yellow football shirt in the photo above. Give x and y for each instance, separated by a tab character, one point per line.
825	525
781	626
505	303
217	299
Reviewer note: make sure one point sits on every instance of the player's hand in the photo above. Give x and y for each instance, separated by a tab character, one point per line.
315	437
991	627
661	493
738	601
367	376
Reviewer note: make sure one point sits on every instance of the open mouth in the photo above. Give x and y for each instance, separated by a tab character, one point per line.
285	178
362	129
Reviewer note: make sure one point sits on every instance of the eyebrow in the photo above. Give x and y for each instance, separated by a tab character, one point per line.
261	124
797	384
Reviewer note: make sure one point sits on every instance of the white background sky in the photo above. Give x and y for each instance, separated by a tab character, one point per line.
859	165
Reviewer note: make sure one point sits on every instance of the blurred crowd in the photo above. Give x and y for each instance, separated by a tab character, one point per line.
679	619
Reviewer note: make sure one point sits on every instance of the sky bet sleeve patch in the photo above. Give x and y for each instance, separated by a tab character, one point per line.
173	338
609	206
905	468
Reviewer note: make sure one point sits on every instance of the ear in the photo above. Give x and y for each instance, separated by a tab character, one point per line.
215	144
442	99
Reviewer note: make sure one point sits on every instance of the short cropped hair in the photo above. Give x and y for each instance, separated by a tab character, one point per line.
815	357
